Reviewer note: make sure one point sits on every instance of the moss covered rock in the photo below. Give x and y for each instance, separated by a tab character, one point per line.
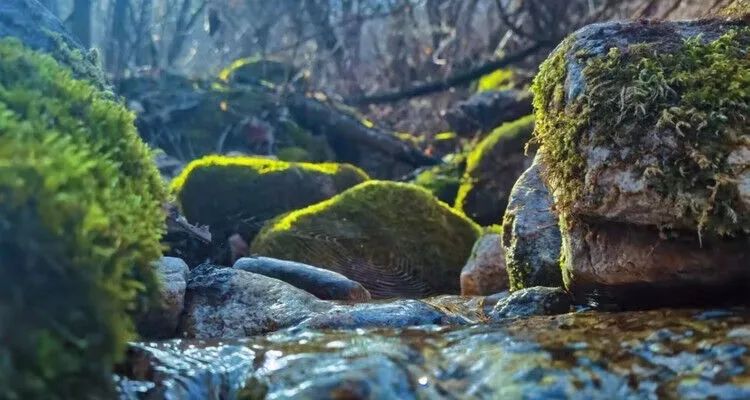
443	180
396	239
646	123
80	222
256	70
645	143
491	169
191	118
239	194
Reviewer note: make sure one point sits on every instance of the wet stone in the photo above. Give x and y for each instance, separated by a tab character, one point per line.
532	301
324	284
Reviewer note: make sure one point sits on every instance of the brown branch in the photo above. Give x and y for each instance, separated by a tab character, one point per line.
505	18
452	81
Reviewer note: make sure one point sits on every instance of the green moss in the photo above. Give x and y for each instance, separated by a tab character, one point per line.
80	223
293	154
444	179
491	170
699	92
256	70
394	238
316	148
238	194
497	80
84	66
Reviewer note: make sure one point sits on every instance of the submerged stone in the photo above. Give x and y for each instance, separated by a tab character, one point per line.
231	303
394	314
395	239
533	301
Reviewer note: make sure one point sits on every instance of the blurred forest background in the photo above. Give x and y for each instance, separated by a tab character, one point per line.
351	50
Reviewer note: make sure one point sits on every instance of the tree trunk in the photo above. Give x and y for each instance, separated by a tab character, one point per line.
80	22
116	50
52	6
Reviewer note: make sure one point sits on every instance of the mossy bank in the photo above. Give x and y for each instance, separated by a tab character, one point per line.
80	223
396	239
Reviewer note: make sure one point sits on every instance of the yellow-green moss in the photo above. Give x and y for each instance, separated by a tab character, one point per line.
497	80
315	147
699	91
398	229
80	223
444	179
257	70
84	66
491	169
238	194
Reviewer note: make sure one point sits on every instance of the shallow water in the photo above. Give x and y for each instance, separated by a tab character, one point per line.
640	355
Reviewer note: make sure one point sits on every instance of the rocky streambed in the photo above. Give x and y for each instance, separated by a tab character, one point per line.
687	354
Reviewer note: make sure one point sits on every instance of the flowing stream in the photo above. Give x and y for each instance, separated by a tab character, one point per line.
683	354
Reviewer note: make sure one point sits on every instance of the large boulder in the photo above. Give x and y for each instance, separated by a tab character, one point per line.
324	284
38	29
643	134
487	110
239	194
645	123
232	303
396	239
491	170
531	235
484	273
613	264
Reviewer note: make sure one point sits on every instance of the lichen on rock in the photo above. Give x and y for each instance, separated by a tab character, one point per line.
239	194
80	222
638	120
395	239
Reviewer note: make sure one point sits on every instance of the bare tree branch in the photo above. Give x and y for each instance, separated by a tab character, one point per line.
451	81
